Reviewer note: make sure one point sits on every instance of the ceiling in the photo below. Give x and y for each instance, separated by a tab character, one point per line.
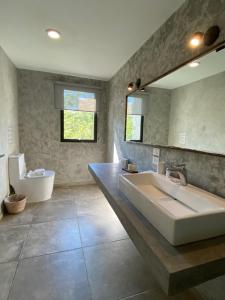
210	64
98	36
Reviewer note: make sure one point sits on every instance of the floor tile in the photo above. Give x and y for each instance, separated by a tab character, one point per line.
7	271
60	276
213	289
160	295
142	296
54	210
22	218
115	270
50	237
86	191
100	229
60	194
93	206
11	241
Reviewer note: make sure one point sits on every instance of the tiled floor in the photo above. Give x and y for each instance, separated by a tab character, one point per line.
74	247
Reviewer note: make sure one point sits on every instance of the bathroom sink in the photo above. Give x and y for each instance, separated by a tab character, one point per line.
182	214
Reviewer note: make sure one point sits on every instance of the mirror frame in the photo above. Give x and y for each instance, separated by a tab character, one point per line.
203	53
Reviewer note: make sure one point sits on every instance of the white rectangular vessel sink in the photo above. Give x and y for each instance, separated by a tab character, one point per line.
182	214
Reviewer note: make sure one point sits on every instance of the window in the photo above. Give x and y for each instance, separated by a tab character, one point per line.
78	126
78	113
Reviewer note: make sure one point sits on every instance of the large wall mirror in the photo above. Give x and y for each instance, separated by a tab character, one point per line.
185	109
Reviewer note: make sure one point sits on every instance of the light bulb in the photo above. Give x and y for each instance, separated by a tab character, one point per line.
194	64
196	39
130	86
53	34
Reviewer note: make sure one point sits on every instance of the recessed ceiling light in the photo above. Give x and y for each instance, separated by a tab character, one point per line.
194	64
53	34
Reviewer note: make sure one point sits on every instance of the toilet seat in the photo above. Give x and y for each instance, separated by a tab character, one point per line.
48	173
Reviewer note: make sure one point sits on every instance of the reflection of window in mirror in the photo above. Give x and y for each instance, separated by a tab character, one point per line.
134	128
134	119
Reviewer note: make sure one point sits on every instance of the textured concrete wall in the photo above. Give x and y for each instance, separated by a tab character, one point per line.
157	114
166	49
39	127
198	110
8	118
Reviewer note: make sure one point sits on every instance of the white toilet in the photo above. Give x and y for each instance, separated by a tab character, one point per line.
38	188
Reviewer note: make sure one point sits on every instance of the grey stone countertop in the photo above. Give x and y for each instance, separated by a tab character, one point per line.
176	268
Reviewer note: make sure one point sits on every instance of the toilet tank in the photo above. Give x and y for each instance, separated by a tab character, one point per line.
17	167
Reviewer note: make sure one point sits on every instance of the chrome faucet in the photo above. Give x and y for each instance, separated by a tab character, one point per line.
179	171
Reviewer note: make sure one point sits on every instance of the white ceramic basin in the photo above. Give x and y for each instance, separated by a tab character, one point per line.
182	214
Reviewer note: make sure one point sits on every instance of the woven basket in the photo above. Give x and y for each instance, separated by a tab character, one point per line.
15	203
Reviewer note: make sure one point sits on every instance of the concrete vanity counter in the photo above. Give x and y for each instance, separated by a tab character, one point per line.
176	268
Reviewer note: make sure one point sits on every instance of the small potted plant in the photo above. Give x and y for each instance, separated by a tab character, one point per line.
15	203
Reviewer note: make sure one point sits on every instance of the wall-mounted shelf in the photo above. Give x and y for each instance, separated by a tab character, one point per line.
176	268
